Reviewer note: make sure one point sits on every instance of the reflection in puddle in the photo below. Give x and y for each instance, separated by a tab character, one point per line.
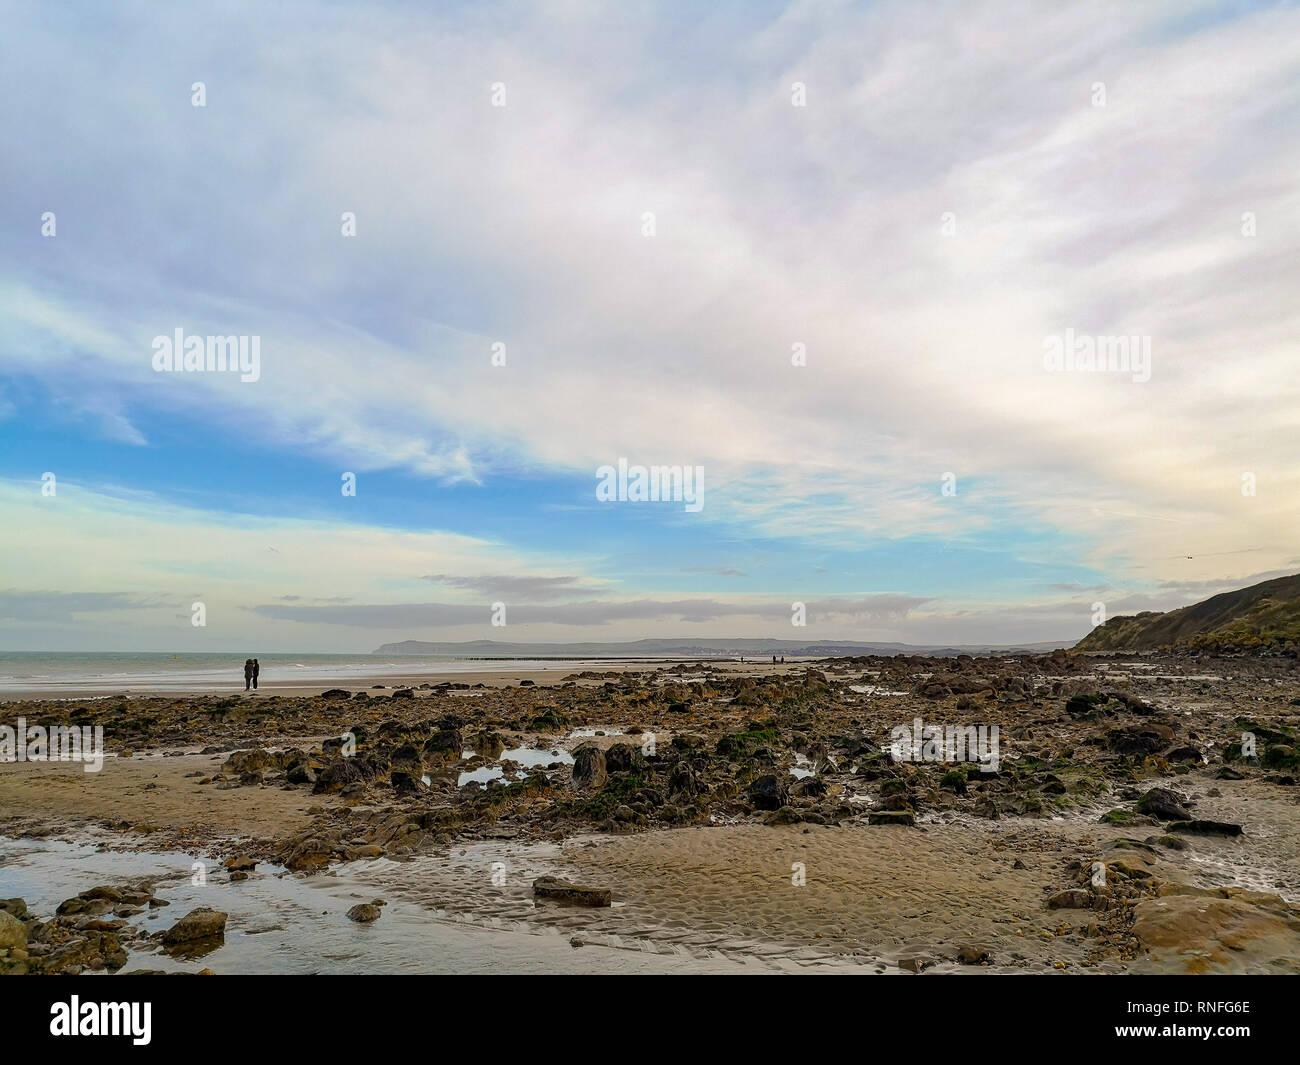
523	757
802	768
281	923
535	756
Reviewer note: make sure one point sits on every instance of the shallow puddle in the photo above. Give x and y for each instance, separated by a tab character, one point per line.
281	923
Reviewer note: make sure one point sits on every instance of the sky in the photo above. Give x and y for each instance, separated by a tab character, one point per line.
818	251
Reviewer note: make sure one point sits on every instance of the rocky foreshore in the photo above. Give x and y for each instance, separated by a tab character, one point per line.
1159	787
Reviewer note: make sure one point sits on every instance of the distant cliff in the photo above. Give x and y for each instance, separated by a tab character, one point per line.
1264	618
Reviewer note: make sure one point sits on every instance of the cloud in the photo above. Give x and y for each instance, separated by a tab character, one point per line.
66	606
776	225
519	588
414	616
720	571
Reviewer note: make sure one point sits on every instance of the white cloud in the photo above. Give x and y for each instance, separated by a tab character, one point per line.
775	224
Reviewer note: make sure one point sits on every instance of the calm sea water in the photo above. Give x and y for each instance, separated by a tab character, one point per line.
118	671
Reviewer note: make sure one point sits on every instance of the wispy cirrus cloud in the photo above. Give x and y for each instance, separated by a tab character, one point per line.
775	226
415	616
519	588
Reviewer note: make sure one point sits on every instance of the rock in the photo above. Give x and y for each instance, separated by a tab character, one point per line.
201	924
972	954
336	776
14	907
336	693
13	933
682	780
240	864
365	912
1131	702
488	743
1282	756
622	757
891	817
932	689
589	768
254	761
914	963
1163	804
786	815
403	693
1070	899
768	792
307	854
1185	754
549	887
1205	828
1139	741
444	747
1190	933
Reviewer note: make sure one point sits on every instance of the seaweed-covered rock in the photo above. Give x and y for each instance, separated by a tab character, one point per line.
1164	805
768	792
589	769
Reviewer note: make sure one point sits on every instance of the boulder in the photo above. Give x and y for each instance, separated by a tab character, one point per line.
768	792
1139	741
1164	805
891	817
1071	899
589	768
1205	828
13	933
444	747
200	924
622	757
550	887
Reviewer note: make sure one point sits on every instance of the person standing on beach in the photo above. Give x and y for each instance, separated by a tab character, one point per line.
248	673
256	670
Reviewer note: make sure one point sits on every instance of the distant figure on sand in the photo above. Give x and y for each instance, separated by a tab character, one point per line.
248	673
256	670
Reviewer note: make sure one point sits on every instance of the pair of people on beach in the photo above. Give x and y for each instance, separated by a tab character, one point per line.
251	670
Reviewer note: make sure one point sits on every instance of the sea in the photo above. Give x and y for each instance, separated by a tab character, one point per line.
110	672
